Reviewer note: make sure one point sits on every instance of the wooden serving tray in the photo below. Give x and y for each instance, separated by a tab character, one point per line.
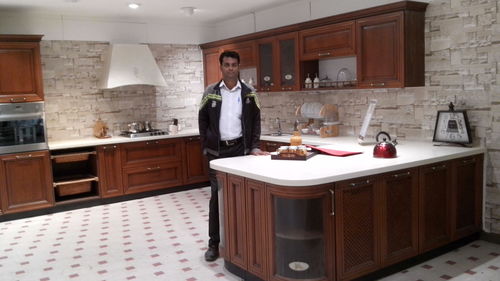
293	156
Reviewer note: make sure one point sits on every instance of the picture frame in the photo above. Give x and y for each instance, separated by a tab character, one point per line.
452	126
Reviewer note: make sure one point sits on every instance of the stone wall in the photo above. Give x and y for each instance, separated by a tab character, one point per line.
462	61
72	69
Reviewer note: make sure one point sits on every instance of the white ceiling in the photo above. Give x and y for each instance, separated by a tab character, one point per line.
206	11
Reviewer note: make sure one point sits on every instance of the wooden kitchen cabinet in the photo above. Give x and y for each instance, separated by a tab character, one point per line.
300	232
271	146
357	214
195	163
19	192
211	66
399	214
20	68
151	165
236	243
278	66
110	170
390	50
435	205
246	50
333	40
467	196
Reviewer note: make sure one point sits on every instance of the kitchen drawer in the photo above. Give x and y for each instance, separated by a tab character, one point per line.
144	152
155	175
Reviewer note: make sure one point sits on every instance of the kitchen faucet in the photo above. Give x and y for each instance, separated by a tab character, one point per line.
279	125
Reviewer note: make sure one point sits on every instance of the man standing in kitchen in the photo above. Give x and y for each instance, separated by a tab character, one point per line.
229	124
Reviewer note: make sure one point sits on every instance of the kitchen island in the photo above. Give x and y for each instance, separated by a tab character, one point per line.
339	218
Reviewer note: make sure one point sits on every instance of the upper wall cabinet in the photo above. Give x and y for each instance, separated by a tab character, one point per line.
334	40
20	68
246	50
380	47
277	63
211	67
390	50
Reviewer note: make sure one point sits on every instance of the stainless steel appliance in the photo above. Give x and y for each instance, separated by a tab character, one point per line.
22	127
152	132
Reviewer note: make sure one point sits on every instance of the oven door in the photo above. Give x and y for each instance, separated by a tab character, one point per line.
23	133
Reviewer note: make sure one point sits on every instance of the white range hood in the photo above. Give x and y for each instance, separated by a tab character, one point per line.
130	64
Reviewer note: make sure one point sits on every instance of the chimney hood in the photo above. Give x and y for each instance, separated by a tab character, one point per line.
130	64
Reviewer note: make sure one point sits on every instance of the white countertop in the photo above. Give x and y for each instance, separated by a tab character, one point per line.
92	141
321	169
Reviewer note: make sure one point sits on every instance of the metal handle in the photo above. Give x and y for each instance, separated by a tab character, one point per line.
23	156
154	168
401	175
333	202
377	84
114	146
469	161
17	99
357	184
437	168
323	54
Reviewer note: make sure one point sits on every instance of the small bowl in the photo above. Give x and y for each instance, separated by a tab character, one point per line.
304	131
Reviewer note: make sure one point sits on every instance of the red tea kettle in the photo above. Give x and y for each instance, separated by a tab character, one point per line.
384	148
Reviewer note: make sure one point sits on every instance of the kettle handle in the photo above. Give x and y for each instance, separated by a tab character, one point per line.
383	133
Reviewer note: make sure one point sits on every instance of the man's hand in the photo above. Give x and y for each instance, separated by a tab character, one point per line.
258	152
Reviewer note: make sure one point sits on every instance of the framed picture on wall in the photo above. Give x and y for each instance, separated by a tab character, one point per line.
452	126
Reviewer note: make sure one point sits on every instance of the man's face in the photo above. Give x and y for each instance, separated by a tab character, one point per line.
229	68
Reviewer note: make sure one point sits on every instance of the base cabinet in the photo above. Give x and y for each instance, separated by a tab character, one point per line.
20	192
195	163
109	169
348	229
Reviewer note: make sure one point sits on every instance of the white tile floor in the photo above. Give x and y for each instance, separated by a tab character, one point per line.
164	238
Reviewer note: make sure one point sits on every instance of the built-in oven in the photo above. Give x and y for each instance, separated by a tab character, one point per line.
22	127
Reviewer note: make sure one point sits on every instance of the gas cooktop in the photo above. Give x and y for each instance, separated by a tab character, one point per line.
150	133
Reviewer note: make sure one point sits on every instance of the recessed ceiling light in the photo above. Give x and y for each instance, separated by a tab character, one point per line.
189	11
133	5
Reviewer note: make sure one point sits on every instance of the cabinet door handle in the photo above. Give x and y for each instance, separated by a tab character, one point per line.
469	161
401	175
23	156
358	184
153	168
114	146
333	202
437	168
377	84
323	54
17	99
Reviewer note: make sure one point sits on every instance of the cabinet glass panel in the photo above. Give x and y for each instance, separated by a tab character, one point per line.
287	62
299	238
266	78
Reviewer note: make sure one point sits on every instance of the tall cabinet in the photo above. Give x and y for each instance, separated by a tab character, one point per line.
20	68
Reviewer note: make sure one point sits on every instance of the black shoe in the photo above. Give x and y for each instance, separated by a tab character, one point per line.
212	253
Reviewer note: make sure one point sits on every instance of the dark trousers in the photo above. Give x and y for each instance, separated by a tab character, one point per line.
213	214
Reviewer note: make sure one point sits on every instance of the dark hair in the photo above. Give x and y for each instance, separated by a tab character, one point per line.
229	54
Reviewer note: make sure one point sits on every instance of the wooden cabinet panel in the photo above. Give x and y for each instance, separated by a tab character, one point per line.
380	51
138	153
357	228
399	225
246	50
334	40
152	176
237	221
110	170
20	68
211	66
195	163
271	146
256	228
467	196
21	193
435	195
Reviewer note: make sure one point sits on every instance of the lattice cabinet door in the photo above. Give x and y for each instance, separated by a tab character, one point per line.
356	227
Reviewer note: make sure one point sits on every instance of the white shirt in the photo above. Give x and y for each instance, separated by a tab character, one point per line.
230	113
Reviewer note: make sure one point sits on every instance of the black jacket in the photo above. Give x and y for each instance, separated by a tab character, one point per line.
209	115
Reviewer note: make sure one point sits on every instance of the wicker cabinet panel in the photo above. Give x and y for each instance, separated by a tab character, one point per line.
356	225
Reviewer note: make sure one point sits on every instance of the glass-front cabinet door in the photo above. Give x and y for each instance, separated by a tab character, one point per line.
288	62
278	67
300	232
